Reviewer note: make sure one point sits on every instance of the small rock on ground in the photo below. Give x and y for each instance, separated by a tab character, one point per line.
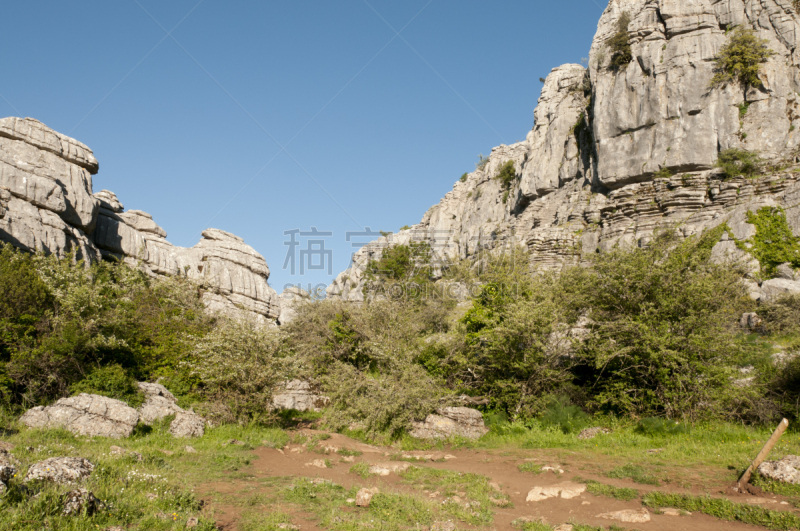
60	469
591	433
628	516
566	490
364	497
443	526
81	501
384	469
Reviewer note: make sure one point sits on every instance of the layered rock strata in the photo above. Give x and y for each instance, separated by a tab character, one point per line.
47	204
617	153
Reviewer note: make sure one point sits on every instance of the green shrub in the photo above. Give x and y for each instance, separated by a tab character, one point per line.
735	162
463	178
507	174
740	59
656	426
664	338
482	162
111	381
239	364
619	44
102	314
565	416
369	360
773	243
663	173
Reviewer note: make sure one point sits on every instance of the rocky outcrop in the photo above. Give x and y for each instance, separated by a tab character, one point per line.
7	469
187	425
299	396
787	470
90	415
80	502
158	404
449	422
616	154
63	470
46	204
290	299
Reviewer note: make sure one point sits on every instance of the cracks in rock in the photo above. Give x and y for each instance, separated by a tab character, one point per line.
635	129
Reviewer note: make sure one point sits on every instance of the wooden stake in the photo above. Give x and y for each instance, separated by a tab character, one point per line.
745	478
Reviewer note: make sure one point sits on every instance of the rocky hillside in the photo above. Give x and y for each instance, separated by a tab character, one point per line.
618	151
47	204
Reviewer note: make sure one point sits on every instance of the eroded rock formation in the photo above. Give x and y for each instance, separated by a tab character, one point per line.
47	204
616	154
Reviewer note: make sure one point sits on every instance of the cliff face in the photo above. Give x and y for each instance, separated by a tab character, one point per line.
587	172
46	204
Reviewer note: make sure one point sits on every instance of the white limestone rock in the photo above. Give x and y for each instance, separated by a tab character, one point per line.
777	288
187	425
450	421
299	395
290	299
159	403
85	414
62	470
787	470
46	204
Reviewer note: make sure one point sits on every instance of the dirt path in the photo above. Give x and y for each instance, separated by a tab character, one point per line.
499	466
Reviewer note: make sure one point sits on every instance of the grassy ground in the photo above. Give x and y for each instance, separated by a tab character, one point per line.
158	491
155	493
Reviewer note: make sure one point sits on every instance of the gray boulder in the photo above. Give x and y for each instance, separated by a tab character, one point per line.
92	415
787	470
80	502
7	469
187	425
778	288
159	403
63	470
449	421
290	299
298	395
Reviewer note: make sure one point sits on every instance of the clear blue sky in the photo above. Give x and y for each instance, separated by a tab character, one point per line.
376	127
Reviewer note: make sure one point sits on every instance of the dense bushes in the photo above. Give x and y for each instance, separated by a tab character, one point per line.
366	358
63	322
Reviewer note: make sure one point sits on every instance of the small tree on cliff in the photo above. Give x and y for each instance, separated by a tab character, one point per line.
620	45
740	59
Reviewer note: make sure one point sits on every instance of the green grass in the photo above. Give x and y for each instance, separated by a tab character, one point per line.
725	510
155	493
328	502
471	489
360	469
609	491
635	473
533	468
346	452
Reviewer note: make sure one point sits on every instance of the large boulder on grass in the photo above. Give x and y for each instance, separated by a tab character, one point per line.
91	415
62	470
158	404
451	421
187	425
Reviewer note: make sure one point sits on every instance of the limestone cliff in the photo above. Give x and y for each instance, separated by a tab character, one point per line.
46	204
616	153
